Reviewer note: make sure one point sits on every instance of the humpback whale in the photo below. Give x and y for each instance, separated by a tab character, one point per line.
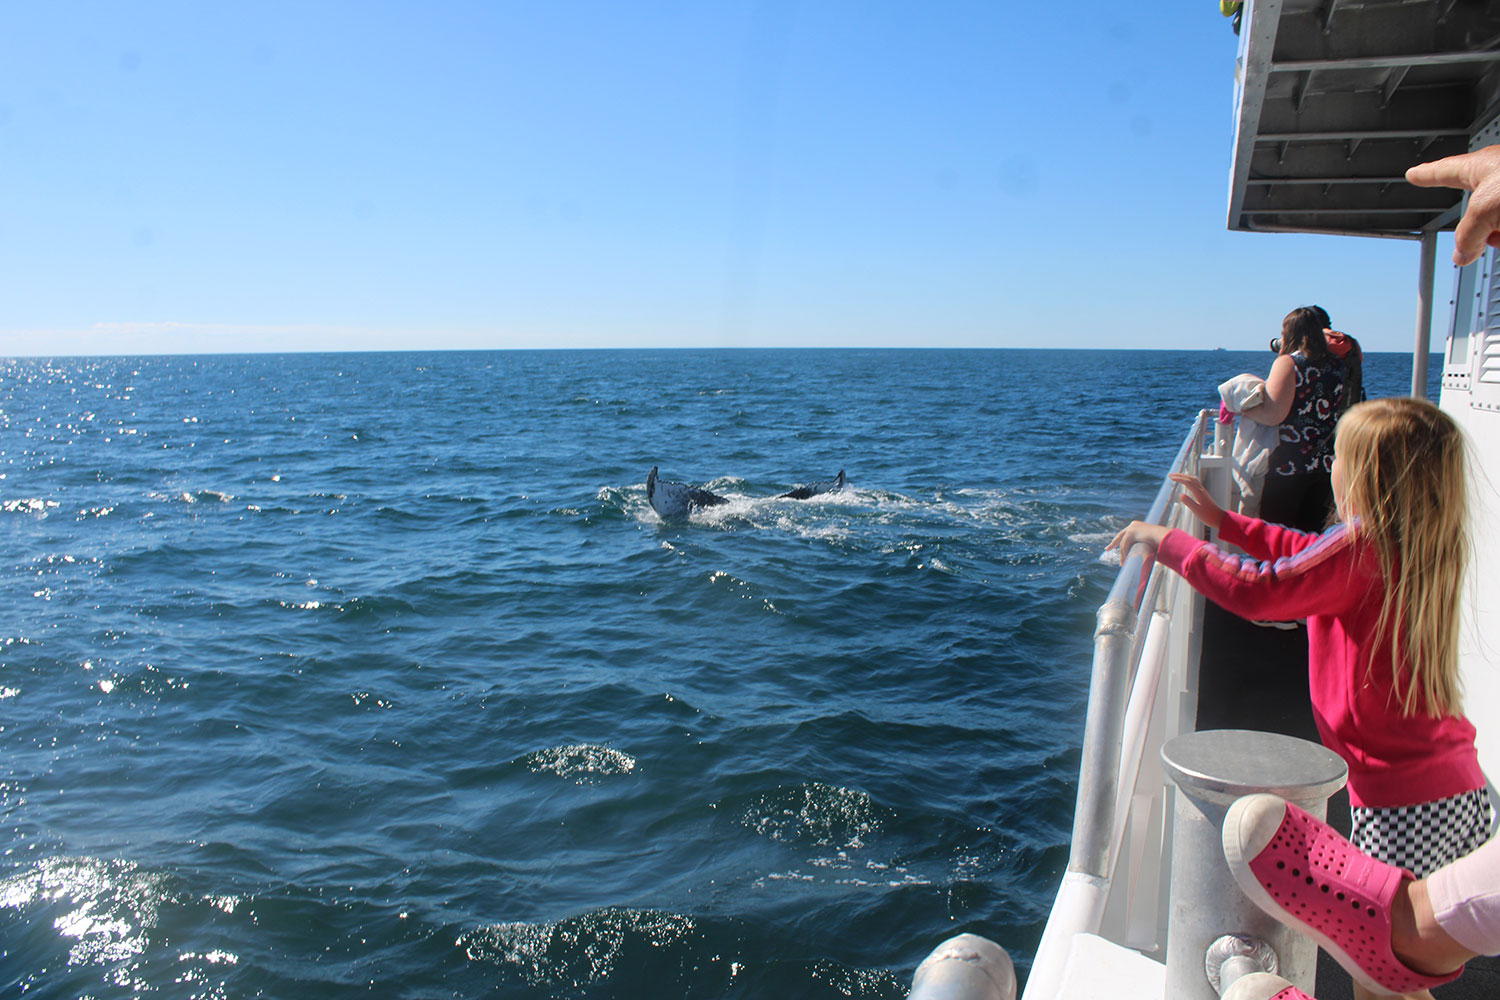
670	499
673	499
813	489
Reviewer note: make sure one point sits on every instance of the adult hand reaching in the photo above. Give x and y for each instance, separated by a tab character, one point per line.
1478	173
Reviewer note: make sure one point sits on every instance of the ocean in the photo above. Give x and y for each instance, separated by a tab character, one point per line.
353	675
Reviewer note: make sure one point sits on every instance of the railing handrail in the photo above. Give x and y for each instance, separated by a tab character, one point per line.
1109	689
1081	899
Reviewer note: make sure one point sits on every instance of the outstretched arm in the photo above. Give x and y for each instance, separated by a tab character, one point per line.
1477	172
1197	499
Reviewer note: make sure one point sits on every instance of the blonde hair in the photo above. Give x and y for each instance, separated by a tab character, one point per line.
1402	466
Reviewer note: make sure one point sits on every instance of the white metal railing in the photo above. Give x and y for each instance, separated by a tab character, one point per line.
1126	725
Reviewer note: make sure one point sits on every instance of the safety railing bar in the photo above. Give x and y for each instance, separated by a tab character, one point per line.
1150	595
1193	450
1081	899
1131	562
1109	687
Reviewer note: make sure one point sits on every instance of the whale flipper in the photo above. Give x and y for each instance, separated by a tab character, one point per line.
813	489
672	499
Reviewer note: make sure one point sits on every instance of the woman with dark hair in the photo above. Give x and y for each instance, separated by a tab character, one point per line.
1347	349
1305	394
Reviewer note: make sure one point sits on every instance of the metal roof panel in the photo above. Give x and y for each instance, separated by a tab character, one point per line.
1336	98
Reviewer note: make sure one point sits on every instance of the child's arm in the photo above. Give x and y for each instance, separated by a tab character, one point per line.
1134	533
1195	497
1263	539
1321	578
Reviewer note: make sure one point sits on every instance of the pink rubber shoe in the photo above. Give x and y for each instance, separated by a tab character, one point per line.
1300	871
1264	986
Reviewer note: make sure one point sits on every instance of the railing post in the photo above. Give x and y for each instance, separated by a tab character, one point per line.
1211	769
1423	346
1215	466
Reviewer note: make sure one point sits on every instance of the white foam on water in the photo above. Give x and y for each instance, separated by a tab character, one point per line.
1092	539
27	505
582	762
576	952
827	815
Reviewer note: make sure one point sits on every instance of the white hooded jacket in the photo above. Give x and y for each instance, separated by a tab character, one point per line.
1253	442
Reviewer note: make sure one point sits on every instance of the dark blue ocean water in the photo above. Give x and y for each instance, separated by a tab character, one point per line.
376	675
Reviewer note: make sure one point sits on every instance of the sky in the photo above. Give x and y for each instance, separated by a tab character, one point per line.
202	178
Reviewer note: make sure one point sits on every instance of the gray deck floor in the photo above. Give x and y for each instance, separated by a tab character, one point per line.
1256	678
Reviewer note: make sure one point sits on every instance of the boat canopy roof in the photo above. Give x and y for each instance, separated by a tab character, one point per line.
1336	98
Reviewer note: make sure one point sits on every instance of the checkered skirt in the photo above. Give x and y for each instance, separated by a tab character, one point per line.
1425	836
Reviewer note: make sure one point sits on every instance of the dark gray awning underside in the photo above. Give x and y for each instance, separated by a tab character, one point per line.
1336	98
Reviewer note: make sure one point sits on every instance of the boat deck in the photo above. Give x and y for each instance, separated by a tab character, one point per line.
1253	677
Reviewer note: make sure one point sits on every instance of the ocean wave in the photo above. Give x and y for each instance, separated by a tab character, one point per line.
375	608
857	982
107	907
312	604
111	915
1093	540
66	559
583	762
826	815
193	496
579	951
27	505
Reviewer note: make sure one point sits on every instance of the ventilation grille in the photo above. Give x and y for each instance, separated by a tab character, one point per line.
1489	361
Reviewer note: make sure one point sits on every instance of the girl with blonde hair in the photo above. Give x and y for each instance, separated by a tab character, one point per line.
1379	590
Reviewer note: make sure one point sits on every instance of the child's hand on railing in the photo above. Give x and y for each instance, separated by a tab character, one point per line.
1196	498
1134	533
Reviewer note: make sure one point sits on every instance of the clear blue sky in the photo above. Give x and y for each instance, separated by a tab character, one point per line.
371	175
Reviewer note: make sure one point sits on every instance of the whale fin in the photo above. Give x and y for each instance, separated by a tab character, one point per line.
814	489
672	499
703	498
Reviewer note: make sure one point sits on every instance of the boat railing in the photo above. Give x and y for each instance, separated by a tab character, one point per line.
1144	632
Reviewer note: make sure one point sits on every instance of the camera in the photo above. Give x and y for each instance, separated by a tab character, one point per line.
1276	345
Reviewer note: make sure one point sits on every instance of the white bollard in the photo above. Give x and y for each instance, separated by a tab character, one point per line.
966	967
1211	770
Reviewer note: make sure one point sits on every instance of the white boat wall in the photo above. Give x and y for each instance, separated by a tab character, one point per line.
1471	395
1334	99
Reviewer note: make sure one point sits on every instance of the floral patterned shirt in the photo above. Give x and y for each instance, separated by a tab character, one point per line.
1306	441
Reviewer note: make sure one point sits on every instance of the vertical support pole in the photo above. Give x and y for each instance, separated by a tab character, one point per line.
1424	315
